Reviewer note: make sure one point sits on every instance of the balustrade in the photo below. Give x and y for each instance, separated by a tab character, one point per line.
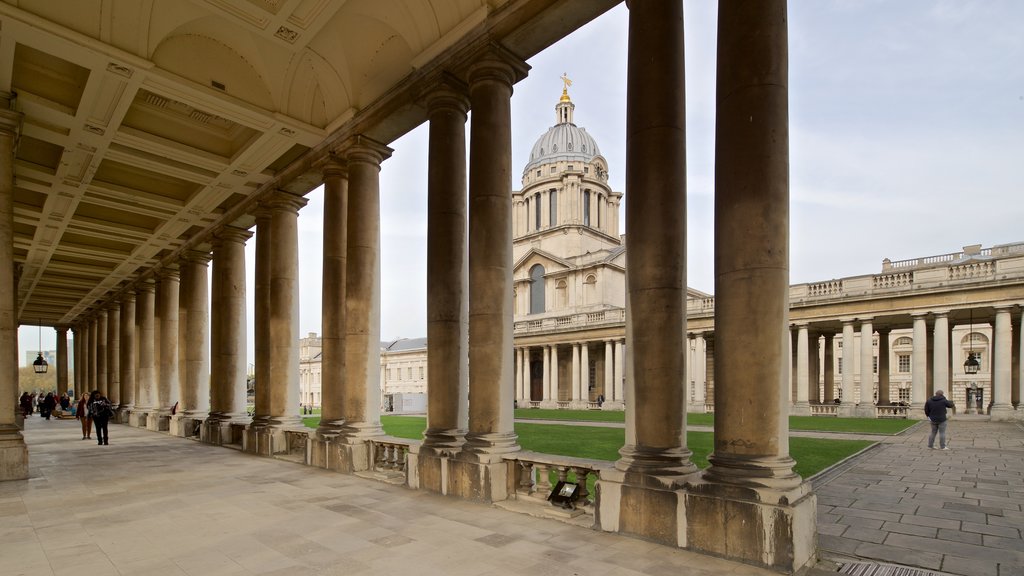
389	455
897	280
891	411
535	474
824	409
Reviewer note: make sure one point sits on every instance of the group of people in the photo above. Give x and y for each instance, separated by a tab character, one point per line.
92	410
45	404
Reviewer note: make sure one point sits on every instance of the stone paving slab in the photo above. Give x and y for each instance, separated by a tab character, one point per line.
957	511
150	504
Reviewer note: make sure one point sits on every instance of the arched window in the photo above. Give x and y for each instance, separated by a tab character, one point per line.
537	289
561	295
590	289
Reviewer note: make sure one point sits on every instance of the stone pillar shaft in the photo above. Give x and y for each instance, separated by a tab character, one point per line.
585	372
128	350
1001	409
114	354
101	351
491	430
554	373
609	367
849	362
620	358
830	369
94	371
752	249
576	372
940	370
195	394
145	398
448	273
700	372
867	363
547	372
362	290
283	323
261	316
332	371
62	361
919	360
228	367
168	385
802	365
883	367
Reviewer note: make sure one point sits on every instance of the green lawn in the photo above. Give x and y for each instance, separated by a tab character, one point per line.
811	454
812	423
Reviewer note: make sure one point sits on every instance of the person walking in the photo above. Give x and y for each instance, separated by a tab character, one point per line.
26	404
49	403
101	411
935	410
82	413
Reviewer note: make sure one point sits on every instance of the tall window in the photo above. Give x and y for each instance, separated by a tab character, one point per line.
527	214
536	213
537	289
839	365
586	208
904	363
552	207
599	211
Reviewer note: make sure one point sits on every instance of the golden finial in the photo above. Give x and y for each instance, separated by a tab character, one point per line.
566	82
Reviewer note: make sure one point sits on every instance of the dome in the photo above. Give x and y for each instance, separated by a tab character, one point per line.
564	141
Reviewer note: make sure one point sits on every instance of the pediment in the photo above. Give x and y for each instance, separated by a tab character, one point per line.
550	262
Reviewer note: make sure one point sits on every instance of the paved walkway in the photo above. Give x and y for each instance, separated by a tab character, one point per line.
151	504
957	510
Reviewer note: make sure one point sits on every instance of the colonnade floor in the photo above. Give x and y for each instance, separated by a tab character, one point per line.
151	504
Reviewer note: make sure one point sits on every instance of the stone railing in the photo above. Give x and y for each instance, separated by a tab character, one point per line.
972	270
563	404
898	280
824	409
891	411
389	455
571	321
827	288
532	476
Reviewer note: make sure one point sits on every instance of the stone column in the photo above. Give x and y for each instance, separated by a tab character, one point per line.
62	360
940	355
620	364
929	358
866	404
609	367
114	354
546	375
753	506
883	367
13	452
94	353
448	273
145	396
1018	371
814	371
335	243
228	367
261	319
520	378
830	369
1002	348
195	393
481	473
700	374
554	374
129	356
284	311
803	374
362	298
919	361
76	375
576	373
168	389
584	372
100	350
846	376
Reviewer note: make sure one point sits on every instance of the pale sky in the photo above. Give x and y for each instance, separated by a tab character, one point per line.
906	140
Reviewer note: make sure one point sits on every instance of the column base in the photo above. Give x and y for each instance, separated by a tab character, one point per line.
761	526
137	418
430	467
846	410
1002	413
864	410
13	454
158	420
123	414
268	438
185	425
339	454
619	406
800	409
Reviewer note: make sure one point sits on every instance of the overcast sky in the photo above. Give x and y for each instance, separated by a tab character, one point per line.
906	140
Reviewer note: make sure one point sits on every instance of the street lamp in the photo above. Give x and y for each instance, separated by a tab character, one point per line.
971	366
40	364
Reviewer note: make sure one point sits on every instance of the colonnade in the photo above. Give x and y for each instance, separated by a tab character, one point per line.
738	508
576	375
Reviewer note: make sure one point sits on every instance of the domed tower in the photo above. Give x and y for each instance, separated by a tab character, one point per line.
565	226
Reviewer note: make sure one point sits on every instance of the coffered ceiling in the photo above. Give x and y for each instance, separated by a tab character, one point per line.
147	123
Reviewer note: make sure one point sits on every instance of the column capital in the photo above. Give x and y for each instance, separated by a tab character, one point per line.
848	321
61	329
944	312
280	200
497	64
146	285
170	272
446	93
10	121
196	257
128	295
362	149
333	165
1007	306
231	234
919	315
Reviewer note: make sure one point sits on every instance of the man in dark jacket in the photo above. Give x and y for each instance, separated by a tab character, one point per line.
935	410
